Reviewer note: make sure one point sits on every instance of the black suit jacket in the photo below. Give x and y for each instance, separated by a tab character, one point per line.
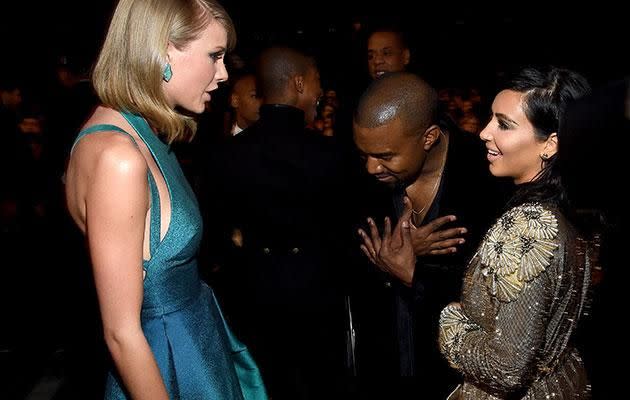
283	187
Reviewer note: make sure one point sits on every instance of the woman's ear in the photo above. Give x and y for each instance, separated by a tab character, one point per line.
170	49
551	145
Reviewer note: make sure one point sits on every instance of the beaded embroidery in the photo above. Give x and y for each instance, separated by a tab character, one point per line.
517	249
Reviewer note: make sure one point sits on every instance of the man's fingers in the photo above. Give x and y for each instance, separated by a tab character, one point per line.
369	255
374	233
438	222
451	233
443	244
387	231
406	232
448	250
367	243
408	210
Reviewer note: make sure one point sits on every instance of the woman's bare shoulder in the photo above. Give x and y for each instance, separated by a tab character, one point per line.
108	145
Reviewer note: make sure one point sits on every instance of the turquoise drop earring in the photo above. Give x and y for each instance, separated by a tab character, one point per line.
168	73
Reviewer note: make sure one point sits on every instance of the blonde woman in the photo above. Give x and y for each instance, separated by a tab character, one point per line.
126	191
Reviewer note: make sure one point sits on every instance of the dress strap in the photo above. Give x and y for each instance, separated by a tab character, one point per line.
100	128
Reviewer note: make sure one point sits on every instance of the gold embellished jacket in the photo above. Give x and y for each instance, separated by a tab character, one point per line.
522	296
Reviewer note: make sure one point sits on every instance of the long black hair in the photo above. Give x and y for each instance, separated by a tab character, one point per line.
547	92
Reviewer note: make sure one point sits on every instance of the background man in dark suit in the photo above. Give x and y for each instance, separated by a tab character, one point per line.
280	188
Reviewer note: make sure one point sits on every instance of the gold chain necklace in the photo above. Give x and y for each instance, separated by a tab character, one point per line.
437	181
433	191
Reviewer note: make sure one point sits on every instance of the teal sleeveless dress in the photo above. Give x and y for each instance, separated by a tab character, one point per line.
197	354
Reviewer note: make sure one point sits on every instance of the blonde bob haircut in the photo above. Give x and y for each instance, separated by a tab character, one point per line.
129	69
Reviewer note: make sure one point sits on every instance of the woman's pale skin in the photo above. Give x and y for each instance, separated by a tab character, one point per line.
513	150
108	196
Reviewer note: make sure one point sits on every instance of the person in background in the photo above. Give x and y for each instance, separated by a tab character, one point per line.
10	104
244	101
69	102
387	51
272	187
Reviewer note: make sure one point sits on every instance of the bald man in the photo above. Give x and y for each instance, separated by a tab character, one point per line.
275	182
436	175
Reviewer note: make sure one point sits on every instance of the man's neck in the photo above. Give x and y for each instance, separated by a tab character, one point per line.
242	122
436	158
423	190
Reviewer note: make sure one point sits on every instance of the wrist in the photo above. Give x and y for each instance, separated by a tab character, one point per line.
407	277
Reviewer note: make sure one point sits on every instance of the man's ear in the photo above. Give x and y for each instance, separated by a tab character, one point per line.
431	136
298	81
406	56
234	100
551	145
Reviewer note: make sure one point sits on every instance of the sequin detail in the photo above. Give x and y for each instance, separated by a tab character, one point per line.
517	249
454	324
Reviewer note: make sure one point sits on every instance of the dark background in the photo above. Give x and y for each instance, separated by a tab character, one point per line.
453	41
